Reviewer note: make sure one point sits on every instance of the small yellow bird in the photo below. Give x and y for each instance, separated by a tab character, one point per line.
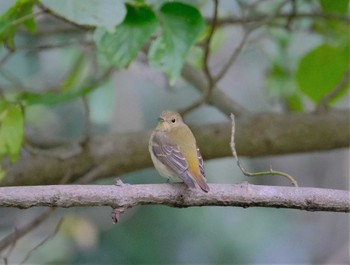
174	151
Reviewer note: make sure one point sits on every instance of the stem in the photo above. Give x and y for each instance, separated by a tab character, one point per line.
255	174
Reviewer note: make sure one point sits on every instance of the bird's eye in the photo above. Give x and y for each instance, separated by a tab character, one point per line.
173	120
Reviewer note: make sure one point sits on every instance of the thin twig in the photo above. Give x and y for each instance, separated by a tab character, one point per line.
300	15
239	48
255	174
52	13
25	17
207	72
292	15
9	251
233	57
87	126
22	231
213	81
207	44
6	57
12	78
54	45
58	225
219	99
247	32
334	92
267	18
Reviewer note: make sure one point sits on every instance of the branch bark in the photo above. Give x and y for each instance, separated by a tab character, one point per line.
176	195
117	154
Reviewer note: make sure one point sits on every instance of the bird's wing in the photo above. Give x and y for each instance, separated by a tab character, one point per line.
169	154
201	163
201	180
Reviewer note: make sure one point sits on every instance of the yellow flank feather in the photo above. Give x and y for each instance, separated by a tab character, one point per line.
184	139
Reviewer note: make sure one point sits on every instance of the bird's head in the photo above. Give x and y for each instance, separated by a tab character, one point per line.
168	120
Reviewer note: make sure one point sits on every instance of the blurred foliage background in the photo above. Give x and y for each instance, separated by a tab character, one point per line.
59	56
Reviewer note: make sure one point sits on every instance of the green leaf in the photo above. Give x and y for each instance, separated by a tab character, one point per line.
321	69
121	47
106	13
52	98
30	25
335	6
295	103
3	106
11	131
20	13
181	26
282	87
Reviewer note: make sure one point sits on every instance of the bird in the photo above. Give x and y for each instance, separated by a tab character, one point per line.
175	153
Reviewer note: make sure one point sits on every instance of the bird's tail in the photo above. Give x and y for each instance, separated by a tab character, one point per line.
199	179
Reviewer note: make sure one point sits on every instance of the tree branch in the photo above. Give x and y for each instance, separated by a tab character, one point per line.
57	228
206	68
22	231
334	92
218	98
61	18
117	154
300	15
254	174
176	195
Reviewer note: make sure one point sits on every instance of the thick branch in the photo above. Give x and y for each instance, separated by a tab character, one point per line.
117	154
176	195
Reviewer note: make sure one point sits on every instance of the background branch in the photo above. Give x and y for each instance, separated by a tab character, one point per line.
233	56
61	18
58	226
22	231
299	15
206	69
218	98
117	154
334	92
176	195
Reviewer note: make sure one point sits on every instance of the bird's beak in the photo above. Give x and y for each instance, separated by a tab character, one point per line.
160	124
